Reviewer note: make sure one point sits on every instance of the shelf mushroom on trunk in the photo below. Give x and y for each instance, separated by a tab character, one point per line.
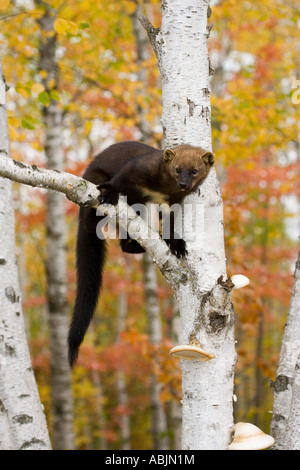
239	281
191	351
247	436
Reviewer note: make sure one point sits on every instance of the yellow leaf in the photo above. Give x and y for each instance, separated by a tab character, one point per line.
130	7
13	134
4	4
44	74
62	26
36	145
13	121
73	28
23	90
37	88
52	83
87	127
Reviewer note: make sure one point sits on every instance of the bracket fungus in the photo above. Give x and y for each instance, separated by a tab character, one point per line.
247	436
191	351
239	281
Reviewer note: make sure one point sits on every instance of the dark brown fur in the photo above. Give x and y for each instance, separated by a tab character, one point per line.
143	174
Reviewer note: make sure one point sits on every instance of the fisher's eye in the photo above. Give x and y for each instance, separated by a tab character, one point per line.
177	170
194	172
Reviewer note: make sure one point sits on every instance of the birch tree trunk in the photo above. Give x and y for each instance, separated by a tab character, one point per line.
203	298
286	386
22	421
61	391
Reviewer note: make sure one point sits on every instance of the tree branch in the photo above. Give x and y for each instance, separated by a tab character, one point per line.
84	193
76	189
151	31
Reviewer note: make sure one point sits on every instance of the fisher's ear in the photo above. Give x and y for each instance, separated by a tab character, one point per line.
169	154
208	158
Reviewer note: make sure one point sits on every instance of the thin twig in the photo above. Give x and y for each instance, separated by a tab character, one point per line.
151	30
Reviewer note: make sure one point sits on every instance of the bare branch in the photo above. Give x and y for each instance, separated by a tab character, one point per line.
76	189
84	193
151	31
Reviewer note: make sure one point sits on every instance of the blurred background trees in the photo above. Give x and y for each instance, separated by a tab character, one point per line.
105	87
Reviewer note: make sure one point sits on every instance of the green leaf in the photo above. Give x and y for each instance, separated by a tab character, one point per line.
54	95
44	98
84	25
27	124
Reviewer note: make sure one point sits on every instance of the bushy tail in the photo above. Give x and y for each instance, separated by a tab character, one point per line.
90	253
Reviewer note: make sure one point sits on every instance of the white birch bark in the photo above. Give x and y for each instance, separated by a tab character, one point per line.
22	417
6	440
206	311
290	350
291	439
76	189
